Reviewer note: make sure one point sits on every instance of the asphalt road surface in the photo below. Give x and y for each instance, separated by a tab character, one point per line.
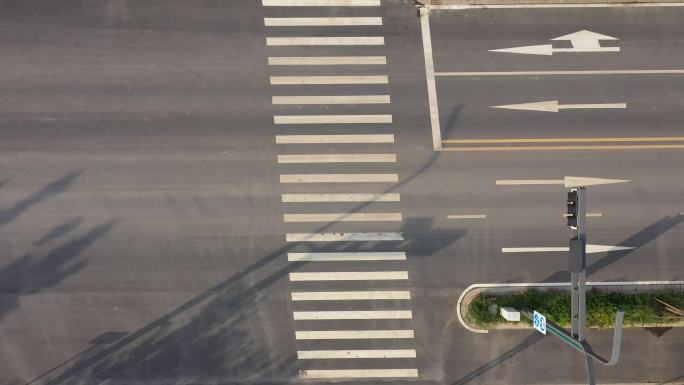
173	212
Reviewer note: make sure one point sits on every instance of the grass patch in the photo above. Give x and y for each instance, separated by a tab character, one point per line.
640	309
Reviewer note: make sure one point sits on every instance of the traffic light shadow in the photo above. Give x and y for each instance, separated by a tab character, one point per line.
530	340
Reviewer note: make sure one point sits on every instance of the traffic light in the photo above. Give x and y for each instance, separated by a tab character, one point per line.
573	206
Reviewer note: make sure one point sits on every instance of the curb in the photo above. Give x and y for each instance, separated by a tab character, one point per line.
625	286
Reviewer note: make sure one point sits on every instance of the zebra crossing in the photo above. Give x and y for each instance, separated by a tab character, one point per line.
349	286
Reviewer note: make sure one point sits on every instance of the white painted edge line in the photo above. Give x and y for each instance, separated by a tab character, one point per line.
324	40
358	373
343	237
347	256
353	334
542	73
339	178
351	354
350	295
342	217
430	76
326	60
467	216
330	99
522	6
320	21
332	119
550	284
320	3
338	158
351	314
338	79
349	276
338	139
351	197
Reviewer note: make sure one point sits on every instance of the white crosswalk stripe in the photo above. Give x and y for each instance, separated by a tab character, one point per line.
343	237
350	276
348	256
358	373
351	197
320	21
334	139
325	40
351	354
351	315
349	295
326	60
332	119
353	334
338	158
320	3
328	99
318	80
339	178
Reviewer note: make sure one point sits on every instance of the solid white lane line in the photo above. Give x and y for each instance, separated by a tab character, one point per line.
343	237
343	217
324	40
347	256
430	76
328	99
326	60
338	178
352	334
338	158
319	198
320	3
467	216
576	5
320	21
541	73
349	276
331	119
349	295
352	314
344	79
358	373
338	139
343	354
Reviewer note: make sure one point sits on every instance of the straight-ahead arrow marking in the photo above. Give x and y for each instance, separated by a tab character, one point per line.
590	249
568	181
582	41
554	106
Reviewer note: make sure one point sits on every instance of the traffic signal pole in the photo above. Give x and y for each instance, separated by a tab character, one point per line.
577	220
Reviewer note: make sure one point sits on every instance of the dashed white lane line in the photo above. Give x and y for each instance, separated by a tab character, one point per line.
343	217
339	178
338	158
467	216
320	3
334	139
320	21
358	373
322	198
338	79
347	256
332	119
353	334
350	295
349	276
324	40
326	60
351	314
328	99
343	237
351	354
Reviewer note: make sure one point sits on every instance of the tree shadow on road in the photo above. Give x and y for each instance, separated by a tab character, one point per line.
50	190
29	275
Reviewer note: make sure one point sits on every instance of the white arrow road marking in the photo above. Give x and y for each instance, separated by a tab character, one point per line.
590	249
568	181
554	106
582	41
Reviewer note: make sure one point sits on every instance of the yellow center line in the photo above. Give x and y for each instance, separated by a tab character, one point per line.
564	140
550	148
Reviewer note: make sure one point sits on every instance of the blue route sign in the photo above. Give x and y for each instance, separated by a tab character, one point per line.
539	322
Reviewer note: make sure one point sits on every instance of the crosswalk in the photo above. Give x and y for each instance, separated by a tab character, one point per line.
337	170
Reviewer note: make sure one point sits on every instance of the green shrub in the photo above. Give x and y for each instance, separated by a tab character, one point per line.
640	309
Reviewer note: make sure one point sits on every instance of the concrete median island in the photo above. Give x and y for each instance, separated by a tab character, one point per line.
645	305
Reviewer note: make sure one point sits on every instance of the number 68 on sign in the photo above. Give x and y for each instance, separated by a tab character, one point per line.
539	322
